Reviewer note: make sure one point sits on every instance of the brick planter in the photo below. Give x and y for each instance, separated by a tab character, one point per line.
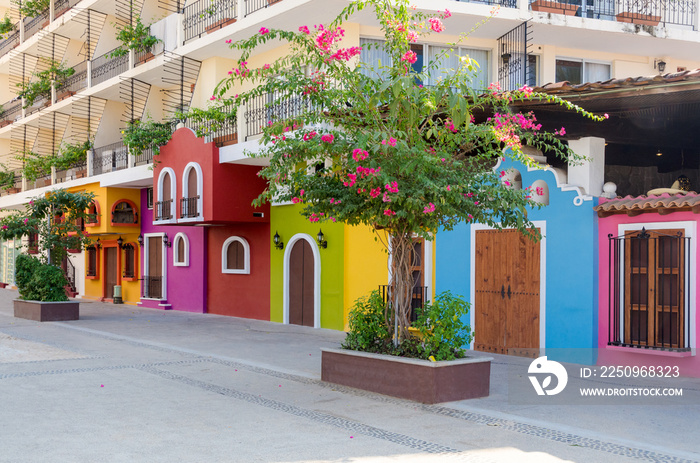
419	380
46	311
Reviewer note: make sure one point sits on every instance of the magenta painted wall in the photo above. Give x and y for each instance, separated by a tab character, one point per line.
186	286
689	365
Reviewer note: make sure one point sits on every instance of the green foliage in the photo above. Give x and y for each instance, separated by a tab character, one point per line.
140	136
32	8
7	178
6	26
35	166
210	120
53	218
40	84
39	282
443	333
135	37
71	154
368	327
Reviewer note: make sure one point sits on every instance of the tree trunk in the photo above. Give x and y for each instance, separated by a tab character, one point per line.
401	283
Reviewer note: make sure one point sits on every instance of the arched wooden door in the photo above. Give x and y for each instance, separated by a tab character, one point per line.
301	284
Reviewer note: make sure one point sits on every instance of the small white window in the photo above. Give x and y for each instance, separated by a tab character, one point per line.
235	256
181	251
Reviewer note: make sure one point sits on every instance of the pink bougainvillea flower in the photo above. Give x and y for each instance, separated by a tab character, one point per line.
374	192
264	30
304	29
4	227
389	212
429	208
410	56
359	154
506	183
229	41
436	25
296	200
309	136
328	138
540	191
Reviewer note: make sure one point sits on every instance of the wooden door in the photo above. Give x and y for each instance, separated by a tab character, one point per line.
154	288
111	271
301	284
507	285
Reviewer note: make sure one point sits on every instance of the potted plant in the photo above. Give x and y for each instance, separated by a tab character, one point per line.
218	121
72	155
140	136
137	37
32	8
35	166
552	6
638	12
55	73
40	281
6	27
7	178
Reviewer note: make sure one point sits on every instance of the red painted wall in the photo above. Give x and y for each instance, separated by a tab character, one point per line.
246	296
228	189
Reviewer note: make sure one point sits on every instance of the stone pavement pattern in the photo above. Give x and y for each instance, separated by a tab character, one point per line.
127	384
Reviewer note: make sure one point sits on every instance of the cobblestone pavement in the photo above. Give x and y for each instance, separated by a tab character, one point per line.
128	384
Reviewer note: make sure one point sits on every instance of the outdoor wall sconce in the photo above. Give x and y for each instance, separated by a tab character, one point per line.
321	239
98	245
166	242
659	153
120	241
506	58
140	240
279	244
660	65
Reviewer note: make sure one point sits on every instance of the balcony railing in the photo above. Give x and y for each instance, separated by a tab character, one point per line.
188	207
146	157
221	133
11	111
34	25
164	209
645	12
62	6
104	67
262	110
419	296
251	6
152	287
10	42
77	170
110	158
74	83
205	16
16	186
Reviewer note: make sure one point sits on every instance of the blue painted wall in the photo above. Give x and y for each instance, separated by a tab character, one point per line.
571	289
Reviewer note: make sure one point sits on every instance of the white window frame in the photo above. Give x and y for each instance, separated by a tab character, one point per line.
186	258
173	192
583	61
246	256
200	190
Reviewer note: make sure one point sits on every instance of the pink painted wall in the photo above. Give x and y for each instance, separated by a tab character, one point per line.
689	365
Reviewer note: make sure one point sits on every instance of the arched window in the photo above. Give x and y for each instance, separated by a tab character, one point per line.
124	212
181	250
93	215
165	204
235	256
191	201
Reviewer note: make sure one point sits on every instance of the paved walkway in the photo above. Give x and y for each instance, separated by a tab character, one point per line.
127	384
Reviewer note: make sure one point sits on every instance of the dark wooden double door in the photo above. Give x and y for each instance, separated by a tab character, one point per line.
507	293
301	284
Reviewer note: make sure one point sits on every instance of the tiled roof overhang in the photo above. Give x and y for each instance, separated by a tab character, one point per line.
662	204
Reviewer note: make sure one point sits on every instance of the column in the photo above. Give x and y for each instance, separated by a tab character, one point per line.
590	173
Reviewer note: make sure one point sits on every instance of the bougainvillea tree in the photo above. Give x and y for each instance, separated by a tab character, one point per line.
369	144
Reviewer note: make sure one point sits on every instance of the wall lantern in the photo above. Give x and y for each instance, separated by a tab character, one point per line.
120	241
140	240
321	239
660	65
166	242
98	245
279	244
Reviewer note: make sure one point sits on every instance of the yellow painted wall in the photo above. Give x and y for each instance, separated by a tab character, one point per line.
365	265
107	197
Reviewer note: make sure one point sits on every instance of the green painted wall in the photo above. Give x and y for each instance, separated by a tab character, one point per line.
287	221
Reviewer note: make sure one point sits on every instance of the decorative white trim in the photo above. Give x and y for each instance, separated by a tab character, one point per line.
164	263
542	225
186	258
173	192
317	277
690	229
200	190
246	257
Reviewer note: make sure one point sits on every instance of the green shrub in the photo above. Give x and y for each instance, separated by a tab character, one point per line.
39	282
443	333
368	328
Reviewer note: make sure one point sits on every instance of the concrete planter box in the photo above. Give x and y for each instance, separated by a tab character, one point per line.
46	311
419	380
638	18
547	6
